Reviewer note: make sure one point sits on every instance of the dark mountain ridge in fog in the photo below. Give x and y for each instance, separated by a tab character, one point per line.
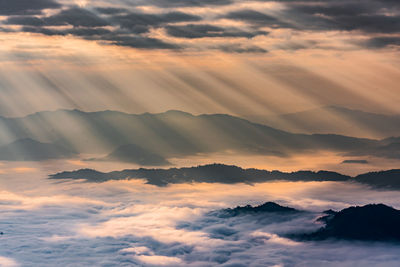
229	174
266	208
176	133
373	222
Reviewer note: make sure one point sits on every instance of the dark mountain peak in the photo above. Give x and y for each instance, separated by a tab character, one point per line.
329	212
376	222
389	179
218	166
272	207
268	207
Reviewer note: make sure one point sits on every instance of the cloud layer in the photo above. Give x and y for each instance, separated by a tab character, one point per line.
161	24
128	223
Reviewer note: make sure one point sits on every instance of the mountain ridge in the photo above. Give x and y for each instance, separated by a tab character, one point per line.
231	174
176	134
27	149
372	222
337	120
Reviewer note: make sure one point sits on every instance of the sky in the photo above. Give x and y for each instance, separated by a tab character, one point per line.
246	58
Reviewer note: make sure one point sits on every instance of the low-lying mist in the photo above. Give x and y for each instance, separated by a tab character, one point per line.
130	223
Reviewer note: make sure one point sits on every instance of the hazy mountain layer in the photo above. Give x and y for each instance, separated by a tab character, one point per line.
135	154
337	120
31	150
172	133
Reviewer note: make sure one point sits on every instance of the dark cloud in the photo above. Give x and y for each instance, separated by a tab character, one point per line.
257	18
101	34
234	48
90	25
366	17
25	20
111	10
168	3
333	9
76	17
369	17
84	32
134	20
204	30
26	7
181	3
44	31
381	42
140	42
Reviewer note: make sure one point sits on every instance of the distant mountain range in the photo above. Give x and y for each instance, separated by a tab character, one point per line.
153	138
228	174
336	120
31	150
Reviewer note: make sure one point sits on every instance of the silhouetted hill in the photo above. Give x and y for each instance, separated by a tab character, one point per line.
337	120
214	173
384	179
31	150
268	207
228	174
374	222
135	154
169	134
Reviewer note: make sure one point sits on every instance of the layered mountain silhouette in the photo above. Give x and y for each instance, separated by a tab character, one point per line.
228	174
213	173
337	120
173	132
374	222
31	150
383	179
135	154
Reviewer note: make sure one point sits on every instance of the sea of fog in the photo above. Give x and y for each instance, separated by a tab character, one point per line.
129	223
